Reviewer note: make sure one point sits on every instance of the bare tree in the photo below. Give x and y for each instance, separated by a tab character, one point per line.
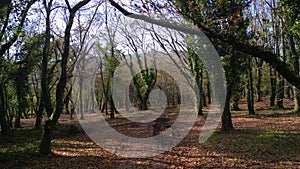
45	145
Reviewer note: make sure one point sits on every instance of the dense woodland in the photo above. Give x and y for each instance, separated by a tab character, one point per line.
42	43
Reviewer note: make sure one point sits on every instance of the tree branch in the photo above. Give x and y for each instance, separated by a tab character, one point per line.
19	28
117	6
267	56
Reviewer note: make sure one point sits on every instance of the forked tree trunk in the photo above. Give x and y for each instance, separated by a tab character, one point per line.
45	94
45	145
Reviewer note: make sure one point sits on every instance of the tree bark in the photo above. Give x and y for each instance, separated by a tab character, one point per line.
235	104
250	93
45	95
295	60
5	131
45	146
226	116
259	64
281	84
208	90
39	117
273	82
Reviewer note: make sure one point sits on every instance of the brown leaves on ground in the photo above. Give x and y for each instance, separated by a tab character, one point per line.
269	139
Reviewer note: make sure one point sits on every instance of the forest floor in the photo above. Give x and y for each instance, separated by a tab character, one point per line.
269	139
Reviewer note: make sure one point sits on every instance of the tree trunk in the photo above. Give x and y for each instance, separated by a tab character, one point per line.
45	146
87	103
72	111
208	90
273	87
39	117
296	100
127	102
18	119
250	93
80	96
259	64
226	116
200	105
280	95
235	104
92	107
112	107
68	100
45	95
199	78
144	104
5	131
281	84
20	80
296	71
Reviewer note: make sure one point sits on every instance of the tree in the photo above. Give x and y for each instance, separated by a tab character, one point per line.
45	145
291	17
26	60
10	32
196	66
249	88
109	60
225	17
143	82
45	94
244	47
187	61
